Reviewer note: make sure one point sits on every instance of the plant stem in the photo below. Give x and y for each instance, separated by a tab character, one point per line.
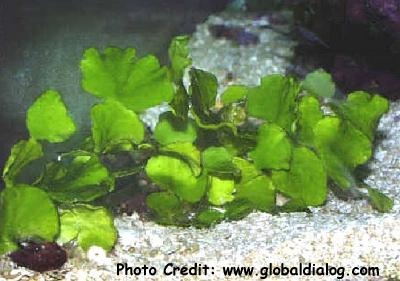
127	172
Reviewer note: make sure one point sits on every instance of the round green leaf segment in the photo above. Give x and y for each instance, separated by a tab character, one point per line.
342	148
83	180
117	74
89	225
319	83
273	150
174	174
259	191
220	191
48	119
218	159
364	111
234	93
113	124
309	113
22	153
306	181
171	130
274	100
26	213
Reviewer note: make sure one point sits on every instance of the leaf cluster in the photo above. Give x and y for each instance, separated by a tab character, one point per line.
212	158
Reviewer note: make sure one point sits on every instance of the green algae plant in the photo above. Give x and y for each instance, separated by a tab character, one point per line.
212	158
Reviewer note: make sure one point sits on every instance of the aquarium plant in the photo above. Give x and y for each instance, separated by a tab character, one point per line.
210	157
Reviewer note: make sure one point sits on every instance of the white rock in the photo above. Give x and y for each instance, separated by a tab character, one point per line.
98	255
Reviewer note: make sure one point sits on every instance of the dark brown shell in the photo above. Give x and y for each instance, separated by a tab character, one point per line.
40	257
